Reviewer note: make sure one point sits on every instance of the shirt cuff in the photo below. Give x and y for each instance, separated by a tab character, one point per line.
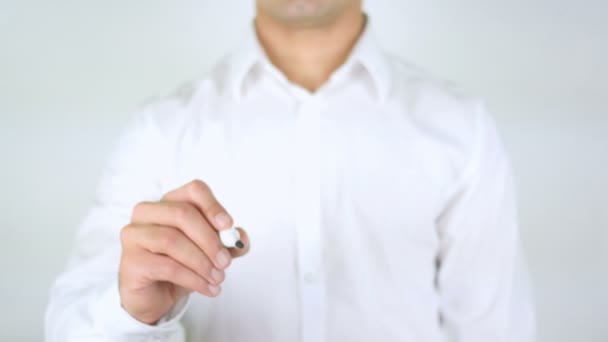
118	325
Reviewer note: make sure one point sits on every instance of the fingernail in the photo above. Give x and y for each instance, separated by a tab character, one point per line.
216	275
214	289
223	258
223	220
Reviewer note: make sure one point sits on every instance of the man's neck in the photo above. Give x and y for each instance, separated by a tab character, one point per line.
308	56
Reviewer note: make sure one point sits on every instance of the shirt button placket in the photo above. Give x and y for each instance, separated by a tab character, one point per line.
308	221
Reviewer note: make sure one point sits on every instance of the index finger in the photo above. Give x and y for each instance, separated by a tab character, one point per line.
199	194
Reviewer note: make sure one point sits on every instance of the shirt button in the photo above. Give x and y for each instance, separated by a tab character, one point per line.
159	337
310	278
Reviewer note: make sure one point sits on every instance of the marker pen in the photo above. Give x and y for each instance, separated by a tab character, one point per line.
231	238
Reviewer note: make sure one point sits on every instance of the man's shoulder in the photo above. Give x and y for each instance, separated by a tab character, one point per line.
184	102
208	87
431	100
418	83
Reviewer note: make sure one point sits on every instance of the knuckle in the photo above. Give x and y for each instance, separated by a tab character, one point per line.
169	239
218	246
130	265
182	213
139	208
126	234
166	270
206	267
197	187
213	246
214	208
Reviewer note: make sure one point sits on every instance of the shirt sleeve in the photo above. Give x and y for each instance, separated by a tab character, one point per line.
84	301
482	282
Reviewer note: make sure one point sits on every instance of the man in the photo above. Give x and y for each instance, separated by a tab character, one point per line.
376	203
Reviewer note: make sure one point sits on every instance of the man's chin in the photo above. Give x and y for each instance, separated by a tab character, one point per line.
302	13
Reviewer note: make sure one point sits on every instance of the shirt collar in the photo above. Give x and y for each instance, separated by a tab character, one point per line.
369	54
366	52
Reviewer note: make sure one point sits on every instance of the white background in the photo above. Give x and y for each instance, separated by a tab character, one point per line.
72	72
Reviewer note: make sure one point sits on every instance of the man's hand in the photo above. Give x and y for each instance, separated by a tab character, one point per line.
172	248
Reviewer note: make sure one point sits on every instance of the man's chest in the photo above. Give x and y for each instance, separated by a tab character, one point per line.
372	167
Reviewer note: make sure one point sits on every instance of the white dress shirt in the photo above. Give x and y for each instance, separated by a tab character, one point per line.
380	208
